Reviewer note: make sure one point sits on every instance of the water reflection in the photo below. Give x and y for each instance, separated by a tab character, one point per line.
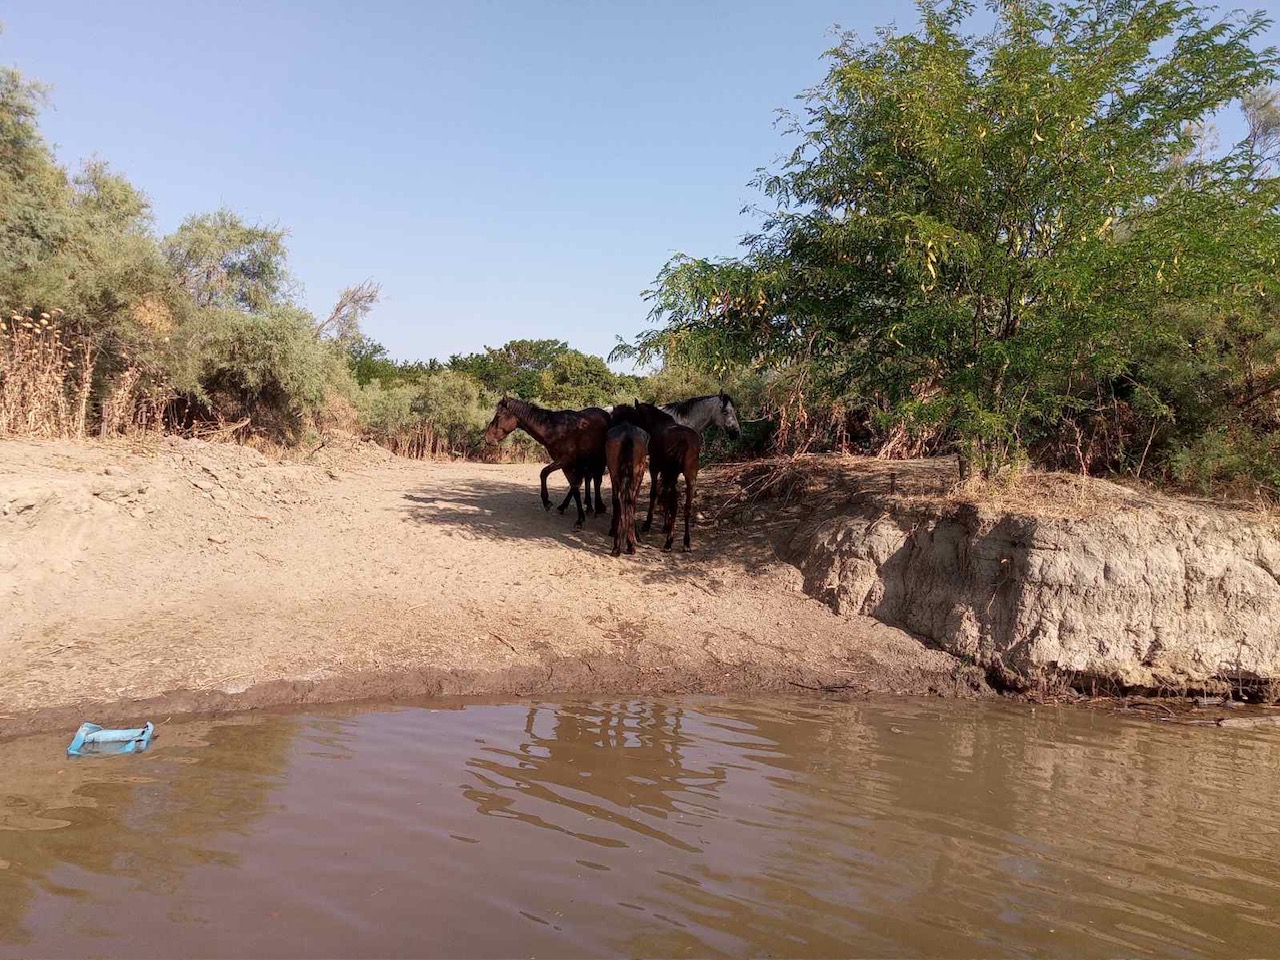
594	761
685	828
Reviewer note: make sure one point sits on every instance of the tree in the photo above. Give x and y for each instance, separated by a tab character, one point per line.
977	235
224	262
575	380
514	368
370	362
354	304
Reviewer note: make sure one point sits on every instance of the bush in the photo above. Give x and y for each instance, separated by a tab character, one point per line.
268	367
440	414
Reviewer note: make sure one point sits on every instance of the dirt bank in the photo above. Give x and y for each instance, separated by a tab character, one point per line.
194	576
1066	579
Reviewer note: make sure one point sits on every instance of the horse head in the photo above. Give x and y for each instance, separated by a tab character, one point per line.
727	416
503	422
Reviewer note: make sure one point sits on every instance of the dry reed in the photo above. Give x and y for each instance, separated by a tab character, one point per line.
46	377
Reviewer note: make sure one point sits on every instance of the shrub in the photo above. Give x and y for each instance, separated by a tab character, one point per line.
269	367
441	414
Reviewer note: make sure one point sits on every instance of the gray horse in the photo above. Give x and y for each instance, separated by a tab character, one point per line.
699	413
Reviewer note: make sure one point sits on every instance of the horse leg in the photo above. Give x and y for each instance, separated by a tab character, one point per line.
655	481
577	501
570	474
546	497
690	478
600	499
615	528
670	503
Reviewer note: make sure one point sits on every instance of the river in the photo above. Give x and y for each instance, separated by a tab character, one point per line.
686	827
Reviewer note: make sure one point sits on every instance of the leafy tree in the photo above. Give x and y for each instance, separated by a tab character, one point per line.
268	365
514	368
370	362
224	262
574	380
977	235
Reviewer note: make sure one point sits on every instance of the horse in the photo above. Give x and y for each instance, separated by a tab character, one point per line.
699	413
574	440
626	448
595	468
673	450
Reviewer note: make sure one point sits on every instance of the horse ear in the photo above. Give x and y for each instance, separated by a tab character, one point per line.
723	396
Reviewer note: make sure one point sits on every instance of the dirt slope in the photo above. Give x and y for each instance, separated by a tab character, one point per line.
1066	578
214	577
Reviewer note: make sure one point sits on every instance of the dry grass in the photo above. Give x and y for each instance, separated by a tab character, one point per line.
832	481
47	372
46	377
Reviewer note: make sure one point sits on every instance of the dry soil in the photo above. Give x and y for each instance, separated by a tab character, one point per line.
183	576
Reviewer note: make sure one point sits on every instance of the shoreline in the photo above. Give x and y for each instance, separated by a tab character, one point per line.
573	679
562	677
184	578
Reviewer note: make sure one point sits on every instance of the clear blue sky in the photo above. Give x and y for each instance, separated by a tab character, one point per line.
517	169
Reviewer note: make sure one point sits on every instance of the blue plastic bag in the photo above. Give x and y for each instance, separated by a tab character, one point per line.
92	740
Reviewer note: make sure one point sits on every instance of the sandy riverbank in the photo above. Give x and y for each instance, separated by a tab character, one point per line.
186	577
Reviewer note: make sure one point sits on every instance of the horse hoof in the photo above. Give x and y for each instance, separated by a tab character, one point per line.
614	552
546	505
577	525
666	548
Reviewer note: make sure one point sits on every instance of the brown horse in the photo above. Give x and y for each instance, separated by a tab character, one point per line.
626	448
594	469
673	450
574	440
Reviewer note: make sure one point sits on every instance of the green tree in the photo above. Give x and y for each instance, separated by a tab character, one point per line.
574	380
224	262
514	368
977	235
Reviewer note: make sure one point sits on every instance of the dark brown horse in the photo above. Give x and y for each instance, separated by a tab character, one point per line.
626	448
673	450
574	440
595	469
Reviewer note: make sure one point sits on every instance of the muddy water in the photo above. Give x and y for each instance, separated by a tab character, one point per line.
689	827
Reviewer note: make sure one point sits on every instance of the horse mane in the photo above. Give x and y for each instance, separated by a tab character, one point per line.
685	407
540	417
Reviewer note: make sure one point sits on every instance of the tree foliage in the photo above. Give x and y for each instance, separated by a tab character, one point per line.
224	262
989	239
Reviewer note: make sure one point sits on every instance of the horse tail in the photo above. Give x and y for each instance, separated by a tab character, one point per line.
626	489
626	450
